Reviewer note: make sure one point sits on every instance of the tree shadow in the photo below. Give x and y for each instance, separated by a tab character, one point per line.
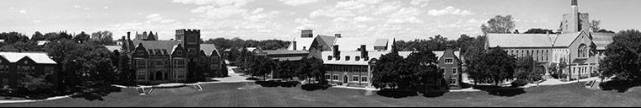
619	85
287	84
92	94
396	93
500	91
315	86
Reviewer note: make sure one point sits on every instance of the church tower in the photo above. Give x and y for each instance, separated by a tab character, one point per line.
574	21
190	40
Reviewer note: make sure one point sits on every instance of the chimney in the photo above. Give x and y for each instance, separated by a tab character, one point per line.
294	44
128	35
363	50
337	54
337	35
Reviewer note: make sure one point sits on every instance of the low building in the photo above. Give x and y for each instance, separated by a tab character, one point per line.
14	66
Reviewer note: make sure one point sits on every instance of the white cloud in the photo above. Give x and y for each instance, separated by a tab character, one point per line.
23	11
405	15
363	19
36	21
449	10
421	3
156	18
298	2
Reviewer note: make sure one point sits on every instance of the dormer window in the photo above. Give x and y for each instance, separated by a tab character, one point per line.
358	58
346	58
329	57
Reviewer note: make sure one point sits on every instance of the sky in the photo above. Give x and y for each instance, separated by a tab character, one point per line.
283	19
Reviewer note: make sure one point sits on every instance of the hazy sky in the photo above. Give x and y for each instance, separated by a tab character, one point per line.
283	19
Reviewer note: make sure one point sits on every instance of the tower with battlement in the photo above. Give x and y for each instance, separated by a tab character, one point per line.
574	21
190	40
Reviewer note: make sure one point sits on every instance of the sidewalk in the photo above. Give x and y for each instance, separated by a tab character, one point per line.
23	101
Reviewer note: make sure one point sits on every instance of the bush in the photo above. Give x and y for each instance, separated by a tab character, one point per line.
518	83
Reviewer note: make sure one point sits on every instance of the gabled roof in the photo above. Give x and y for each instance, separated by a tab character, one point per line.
208	49
602	40
328	40
565	39
38	57
381	42
163	46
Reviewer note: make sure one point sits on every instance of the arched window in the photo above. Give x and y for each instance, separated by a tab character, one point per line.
582	50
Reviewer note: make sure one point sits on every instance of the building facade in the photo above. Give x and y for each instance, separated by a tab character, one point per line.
161	61
14	66
577	46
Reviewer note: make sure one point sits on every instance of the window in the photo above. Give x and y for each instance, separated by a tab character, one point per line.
335	77
327	77
358	58
449	61
354	78
346	58
140	63
329	57
452	81
454	71
364	79
180	63
582	51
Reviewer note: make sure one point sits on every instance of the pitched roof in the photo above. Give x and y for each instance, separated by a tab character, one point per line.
300	43
328	40
271	52
381	42
565	39
352	54
208	49
602	40
163	46
352	44
38	57
519	40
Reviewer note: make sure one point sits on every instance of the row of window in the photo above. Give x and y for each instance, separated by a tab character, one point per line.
140	63
538	55
347	58
354	78
347	68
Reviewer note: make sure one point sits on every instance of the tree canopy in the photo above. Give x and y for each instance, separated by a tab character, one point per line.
623	56
499	24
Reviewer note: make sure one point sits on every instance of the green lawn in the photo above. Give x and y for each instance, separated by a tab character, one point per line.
250	94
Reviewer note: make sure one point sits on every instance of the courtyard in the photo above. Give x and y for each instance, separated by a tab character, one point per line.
249	94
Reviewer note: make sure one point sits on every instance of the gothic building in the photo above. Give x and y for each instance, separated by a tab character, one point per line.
144	36
159	61
577	46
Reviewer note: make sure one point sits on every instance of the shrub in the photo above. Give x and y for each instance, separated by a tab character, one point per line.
518	83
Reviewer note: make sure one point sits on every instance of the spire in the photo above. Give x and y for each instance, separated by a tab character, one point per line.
394	46
574	3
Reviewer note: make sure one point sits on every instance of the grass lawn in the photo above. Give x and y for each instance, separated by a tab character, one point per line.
250	94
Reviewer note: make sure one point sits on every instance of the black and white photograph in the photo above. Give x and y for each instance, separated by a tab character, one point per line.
320	53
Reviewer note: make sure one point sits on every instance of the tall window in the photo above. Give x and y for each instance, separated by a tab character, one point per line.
583	50
454	71
140	63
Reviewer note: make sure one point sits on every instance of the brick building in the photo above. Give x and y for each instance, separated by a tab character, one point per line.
14	66
161	61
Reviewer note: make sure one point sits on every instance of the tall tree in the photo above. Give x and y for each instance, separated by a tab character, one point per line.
499	24
500	65
82	37
387	71
37	36
623	56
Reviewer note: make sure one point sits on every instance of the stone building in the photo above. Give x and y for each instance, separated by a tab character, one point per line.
160	61
15	65
576	46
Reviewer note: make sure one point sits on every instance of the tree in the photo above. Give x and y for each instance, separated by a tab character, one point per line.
387	71
495	65
594	25
473	59
85	66
424	75
103	37
498	24
82	37
623	56
539	31
37	36
528	70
